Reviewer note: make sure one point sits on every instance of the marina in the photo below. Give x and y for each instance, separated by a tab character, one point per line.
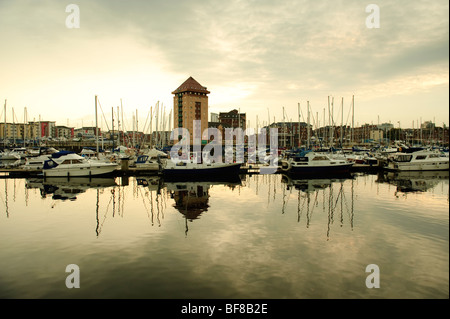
304	162
231	158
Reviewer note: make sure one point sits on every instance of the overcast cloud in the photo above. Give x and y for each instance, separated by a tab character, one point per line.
251	55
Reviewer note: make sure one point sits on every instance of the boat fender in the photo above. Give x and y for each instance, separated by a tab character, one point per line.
285	165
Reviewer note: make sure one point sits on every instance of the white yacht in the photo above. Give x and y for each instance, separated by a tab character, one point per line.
36	162
422	160
9	155
69	164
150	160
315	164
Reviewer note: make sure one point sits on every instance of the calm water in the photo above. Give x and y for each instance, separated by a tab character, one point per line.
265	237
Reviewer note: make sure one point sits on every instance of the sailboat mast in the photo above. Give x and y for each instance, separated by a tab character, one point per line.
133	135
96	125
332	121
112	134
156	128
40	132
329	122
284	130
299	139
353	116
118	125
342	120
4	136
121	115
324	134
163	139
151	126
24	126
14	127
137	124
307	127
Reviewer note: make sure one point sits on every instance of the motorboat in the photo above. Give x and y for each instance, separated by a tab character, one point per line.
312	163
36	162
9	156
70	164
150	160
422	160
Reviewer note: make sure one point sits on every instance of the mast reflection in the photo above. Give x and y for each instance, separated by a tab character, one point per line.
308	198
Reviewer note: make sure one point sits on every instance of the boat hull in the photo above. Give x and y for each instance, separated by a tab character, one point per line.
148	166
405	167
84	171
321	170
212	173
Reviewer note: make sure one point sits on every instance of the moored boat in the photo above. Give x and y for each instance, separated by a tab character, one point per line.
422	160
9	156
69	164
312	163
150	160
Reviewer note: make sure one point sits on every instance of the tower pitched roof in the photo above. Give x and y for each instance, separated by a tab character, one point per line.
191	85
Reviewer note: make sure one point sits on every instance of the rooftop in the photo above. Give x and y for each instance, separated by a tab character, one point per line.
191	85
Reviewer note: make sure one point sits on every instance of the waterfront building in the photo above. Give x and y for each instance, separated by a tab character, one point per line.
30	130
233	119
291	134
190	102
64	132
385	126
214	117
86	132
43	129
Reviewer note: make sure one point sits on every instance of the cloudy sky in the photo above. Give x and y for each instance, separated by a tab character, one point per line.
259	56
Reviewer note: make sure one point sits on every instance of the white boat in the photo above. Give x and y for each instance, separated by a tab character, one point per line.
36	162
422	160
9	155
313	164
150	160
69	164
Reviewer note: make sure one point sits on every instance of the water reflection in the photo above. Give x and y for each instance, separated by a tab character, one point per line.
327	194
246	238
68	189
414	181
153	198
333	198
192	198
